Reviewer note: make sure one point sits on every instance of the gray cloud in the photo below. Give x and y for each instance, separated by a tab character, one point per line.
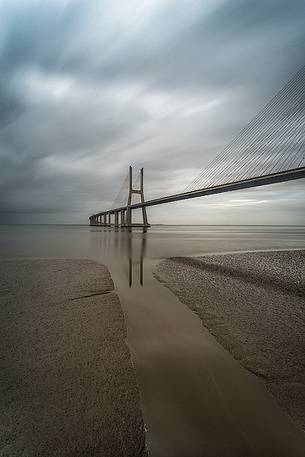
89	87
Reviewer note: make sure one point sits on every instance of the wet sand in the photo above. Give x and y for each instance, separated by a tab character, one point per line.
254	304
68	387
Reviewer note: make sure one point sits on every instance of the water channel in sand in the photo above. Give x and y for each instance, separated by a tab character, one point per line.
196	400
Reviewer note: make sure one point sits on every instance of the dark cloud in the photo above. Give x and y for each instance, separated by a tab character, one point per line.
11	104
88	88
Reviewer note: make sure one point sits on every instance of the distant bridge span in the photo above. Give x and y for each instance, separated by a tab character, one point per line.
269	150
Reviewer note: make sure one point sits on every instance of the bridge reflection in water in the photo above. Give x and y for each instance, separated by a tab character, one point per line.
136	257
128	246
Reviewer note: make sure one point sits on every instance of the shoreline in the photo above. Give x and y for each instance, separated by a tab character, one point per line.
253	304
68	385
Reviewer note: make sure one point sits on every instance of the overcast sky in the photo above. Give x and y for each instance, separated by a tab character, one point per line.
88	87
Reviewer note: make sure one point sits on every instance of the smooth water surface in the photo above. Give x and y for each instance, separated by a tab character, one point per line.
196	399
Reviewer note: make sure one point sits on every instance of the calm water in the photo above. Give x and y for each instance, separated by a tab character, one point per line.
196	400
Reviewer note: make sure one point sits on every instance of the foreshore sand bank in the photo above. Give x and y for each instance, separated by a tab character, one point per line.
254	304
68	387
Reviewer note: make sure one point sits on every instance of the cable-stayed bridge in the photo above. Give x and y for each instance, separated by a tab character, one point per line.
270	149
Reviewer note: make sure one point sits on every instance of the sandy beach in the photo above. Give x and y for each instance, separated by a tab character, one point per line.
68	387
253	303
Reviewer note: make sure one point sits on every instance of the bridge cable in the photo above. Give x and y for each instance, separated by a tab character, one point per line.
267	143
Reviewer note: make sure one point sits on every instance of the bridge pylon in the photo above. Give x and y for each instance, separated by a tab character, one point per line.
128	219
123	214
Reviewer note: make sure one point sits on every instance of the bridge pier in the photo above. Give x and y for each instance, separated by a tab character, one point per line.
116	219
122	217
128	220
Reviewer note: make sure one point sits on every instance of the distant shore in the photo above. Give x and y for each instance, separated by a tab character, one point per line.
68	387
254	304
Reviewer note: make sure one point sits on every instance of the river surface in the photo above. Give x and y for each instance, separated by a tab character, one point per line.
196	399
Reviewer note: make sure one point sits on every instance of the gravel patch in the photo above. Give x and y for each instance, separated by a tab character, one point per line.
254	304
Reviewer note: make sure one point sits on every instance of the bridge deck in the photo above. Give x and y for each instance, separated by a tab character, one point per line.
283	176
